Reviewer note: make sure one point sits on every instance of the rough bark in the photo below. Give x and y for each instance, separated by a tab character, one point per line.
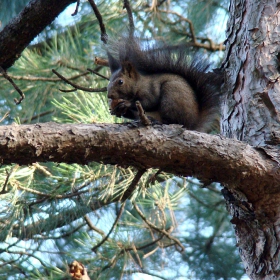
15	36
168	147
251	114
251	109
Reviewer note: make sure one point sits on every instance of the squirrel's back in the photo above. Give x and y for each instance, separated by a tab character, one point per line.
163	61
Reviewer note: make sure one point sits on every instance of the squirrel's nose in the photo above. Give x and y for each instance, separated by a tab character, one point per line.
112	95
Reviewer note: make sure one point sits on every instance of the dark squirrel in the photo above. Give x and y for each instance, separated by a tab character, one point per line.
171	87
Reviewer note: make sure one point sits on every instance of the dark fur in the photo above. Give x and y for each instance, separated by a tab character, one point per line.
165	80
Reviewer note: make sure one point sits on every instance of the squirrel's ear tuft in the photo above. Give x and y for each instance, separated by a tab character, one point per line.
113	63
129	70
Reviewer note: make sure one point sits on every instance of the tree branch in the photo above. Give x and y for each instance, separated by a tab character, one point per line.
7	77
160	230
126	5
26	26
104	36
77	86
170	148
111	229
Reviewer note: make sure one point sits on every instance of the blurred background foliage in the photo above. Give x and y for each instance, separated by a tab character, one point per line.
51	214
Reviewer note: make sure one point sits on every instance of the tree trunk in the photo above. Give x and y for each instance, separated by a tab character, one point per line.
26	26
251	114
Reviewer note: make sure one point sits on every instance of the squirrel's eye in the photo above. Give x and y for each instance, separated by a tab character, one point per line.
120	82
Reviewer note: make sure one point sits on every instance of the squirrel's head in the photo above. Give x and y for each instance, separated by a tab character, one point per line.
123	82
122	88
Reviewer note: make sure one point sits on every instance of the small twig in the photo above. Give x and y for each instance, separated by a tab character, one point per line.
93	227
57	187
124	250
42	169
50	196
150	244
136	255
132	185
98	74
5	116
211	46
153	177
5	264
68	90
110	231
104	36
25	253
4	190
150	253
57	237
111	263
77	8
143	118
101	61
37	116
7	77
46	79
126	6
77	86
182	19
162	231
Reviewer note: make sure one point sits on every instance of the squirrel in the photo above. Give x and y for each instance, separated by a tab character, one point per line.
171	87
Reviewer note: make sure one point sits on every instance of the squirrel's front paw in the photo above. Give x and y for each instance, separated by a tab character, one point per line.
118	107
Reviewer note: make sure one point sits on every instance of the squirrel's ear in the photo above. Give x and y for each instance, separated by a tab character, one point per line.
113	63
129	69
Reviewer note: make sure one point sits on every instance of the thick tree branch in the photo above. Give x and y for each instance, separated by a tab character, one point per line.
169	148
15	37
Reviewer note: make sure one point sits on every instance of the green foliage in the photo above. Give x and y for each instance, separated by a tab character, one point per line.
210	238
52	213
40	85
205	13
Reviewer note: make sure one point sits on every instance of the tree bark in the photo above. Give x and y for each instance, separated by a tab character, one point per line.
251	114
16	35
168	147
251	109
